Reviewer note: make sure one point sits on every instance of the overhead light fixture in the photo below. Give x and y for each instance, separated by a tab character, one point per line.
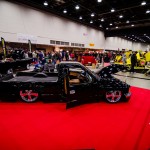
148	11
92	14
45	3
77	7
99	1
80	18
107	28
102	20
117	27
91	21
65	11
143	3
112	10
132	25
121	16
100	25
127	21
110	24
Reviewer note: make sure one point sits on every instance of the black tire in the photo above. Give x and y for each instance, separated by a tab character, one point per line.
29	95
113	96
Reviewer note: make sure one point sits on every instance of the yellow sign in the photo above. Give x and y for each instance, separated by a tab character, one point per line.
92	44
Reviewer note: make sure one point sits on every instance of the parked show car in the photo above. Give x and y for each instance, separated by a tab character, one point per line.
14	61
88	59
73	82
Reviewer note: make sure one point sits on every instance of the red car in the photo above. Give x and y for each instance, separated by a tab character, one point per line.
88	59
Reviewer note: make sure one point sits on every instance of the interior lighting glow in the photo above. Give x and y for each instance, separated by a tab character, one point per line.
65	11
148	11
127	21
77	7
110	24
99	1
117	27
143	3
112	10
92	15
91	21
45	3
102	20
121	16
80	18
132	25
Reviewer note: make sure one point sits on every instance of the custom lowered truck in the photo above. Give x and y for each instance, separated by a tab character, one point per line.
73	82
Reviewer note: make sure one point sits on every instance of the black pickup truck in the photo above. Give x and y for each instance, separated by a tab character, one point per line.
14	61
73	83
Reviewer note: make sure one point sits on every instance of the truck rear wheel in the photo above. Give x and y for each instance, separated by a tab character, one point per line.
29	96
10	71
28	66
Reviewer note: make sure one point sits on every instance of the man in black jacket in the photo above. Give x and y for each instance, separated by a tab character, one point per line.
133	61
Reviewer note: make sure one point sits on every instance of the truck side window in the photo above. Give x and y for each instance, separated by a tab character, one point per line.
79	76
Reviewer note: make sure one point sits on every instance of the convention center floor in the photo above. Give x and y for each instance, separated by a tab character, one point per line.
94	126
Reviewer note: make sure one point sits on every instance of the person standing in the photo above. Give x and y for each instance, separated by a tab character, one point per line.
124	58
133	61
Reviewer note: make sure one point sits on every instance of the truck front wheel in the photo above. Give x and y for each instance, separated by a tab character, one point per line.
29	96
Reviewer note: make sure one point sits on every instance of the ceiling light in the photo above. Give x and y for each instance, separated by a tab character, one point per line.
102	20
99	1
77	7
45	3
65	11
80	18
116	27
112	10
110	24
132	35
91	21
121	16
107	28
144	34
92	15
127	21
132	25
148	11
143	3
100	25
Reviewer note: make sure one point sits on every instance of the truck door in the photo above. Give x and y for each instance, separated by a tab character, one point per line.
81	87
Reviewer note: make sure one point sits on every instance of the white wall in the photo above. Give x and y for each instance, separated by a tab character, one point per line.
44	26
115	43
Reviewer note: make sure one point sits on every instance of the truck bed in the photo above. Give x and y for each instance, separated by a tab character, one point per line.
32	79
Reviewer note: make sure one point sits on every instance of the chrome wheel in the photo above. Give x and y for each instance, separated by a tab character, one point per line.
29	95
28	66
113	96
10	71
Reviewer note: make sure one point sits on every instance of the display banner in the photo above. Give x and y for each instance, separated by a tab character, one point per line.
30	48
25	37
4	47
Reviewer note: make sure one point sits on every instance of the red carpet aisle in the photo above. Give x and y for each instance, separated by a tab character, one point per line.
100	126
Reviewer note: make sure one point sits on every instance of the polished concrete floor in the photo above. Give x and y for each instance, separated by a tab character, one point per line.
136	79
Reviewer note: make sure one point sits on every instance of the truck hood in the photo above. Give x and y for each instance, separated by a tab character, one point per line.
112	69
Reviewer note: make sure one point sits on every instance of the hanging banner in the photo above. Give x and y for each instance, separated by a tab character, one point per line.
4	47
25	37
30	48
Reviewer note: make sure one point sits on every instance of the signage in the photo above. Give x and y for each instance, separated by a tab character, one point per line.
3	47
91	44
25	37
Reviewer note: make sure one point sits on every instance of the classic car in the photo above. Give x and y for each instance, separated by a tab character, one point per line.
73	82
